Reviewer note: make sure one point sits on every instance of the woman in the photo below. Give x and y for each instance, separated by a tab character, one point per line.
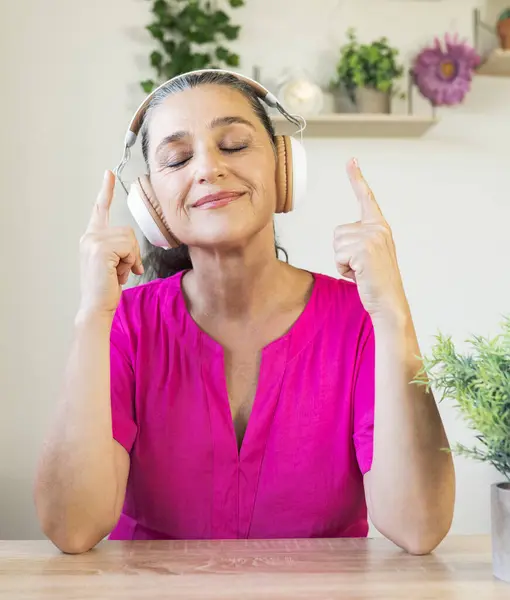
247	398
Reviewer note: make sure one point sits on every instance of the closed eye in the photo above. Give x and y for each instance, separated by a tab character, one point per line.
236	149
181	163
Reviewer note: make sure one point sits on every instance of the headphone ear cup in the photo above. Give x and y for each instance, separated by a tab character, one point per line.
147	213
291	173
282	176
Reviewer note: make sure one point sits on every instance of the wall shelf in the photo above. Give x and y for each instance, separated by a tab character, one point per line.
357	125
497	64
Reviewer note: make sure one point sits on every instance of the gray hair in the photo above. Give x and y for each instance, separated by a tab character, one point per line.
191	80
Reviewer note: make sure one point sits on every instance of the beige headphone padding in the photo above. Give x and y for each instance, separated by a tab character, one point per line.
283	174
149	198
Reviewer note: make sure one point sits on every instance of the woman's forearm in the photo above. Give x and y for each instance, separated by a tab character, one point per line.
76	483
411	486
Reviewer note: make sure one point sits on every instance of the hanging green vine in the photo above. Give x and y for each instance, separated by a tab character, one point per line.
190	34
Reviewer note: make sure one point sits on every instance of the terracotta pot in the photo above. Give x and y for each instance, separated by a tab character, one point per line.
503	29
369	100
500	524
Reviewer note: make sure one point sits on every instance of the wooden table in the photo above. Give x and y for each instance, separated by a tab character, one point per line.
292	569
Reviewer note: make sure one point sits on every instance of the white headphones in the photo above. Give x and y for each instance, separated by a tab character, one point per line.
291	169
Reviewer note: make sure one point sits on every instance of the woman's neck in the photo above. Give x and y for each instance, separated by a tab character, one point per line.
236	283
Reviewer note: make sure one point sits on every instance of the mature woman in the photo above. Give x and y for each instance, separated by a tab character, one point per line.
233	395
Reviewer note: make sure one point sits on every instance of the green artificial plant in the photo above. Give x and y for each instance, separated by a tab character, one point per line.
504	15
479	383
373	65
190	35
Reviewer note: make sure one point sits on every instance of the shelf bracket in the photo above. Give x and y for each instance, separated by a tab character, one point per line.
410	89
480	25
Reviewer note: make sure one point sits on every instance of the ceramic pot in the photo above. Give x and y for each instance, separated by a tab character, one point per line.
370	100
503	29
500	525
342	102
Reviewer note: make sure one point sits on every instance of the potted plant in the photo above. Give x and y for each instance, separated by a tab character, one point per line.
190	35
367	73
503	29
479	382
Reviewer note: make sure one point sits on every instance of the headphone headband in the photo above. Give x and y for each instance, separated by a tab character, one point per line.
264	95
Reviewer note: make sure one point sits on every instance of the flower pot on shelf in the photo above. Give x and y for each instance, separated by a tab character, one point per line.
370	100
500	525
342	102
503	29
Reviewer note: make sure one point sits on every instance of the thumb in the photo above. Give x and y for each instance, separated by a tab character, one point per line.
347	272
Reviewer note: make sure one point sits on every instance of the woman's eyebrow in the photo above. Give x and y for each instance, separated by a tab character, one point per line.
222	121
174	137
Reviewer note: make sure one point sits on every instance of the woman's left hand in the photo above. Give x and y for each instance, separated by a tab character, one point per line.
365	253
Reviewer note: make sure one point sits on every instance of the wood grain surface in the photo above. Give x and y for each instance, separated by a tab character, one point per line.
247	569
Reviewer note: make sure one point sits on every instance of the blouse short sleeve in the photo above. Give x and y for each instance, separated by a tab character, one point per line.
364	401
122	385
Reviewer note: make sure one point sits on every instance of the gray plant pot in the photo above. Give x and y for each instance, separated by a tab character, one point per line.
342	102
500	525
369	100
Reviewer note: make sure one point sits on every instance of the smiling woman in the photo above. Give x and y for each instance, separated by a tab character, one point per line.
174	150
241	397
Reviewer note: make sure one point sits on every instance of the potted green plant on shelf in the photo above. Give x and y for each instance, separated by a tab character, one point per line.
190	35
479	383
368	74
503	29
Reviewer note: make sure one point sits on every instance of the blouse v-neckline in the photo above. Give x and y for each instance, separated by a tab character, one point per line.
273	358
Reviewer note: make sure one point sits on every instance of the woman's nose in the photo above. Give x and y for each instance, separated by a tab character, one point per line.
210	166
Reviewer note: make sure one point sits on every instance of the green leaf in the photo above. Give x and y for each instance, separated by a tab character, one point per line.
201	37
156	31
222	53
156	59
201	61
233	60
160	8
236	3
169	47
171	69
169	23
219	19
147	86
231	32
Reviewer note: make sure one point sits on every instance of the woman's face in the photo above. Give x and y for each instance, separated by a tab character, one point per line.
212	167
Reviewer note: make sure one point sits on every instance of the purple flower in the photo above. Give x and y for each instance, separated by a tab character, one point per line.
443	72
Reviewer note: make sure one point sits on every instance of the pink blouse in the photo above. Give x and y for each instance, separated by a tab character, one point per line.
299	473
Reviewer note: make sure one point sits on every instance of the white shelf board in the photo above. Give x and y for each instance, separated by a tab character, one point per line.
356	125
497	64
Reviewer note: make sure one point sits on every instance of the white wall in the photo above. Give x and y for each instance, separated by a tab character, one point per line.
69	85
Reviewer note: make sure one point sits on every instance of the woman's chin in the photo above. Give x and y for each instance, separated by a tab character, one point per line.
226	235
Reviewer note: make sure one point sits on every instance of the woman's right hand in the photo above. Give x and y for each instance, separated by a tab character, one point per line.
108	255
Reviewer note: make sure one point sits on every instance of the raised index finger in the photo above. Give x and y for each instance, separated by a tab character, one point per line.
101	211
370	210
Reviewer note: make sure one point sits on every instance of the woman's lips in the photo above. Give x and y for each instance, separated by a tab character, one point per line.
217	200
